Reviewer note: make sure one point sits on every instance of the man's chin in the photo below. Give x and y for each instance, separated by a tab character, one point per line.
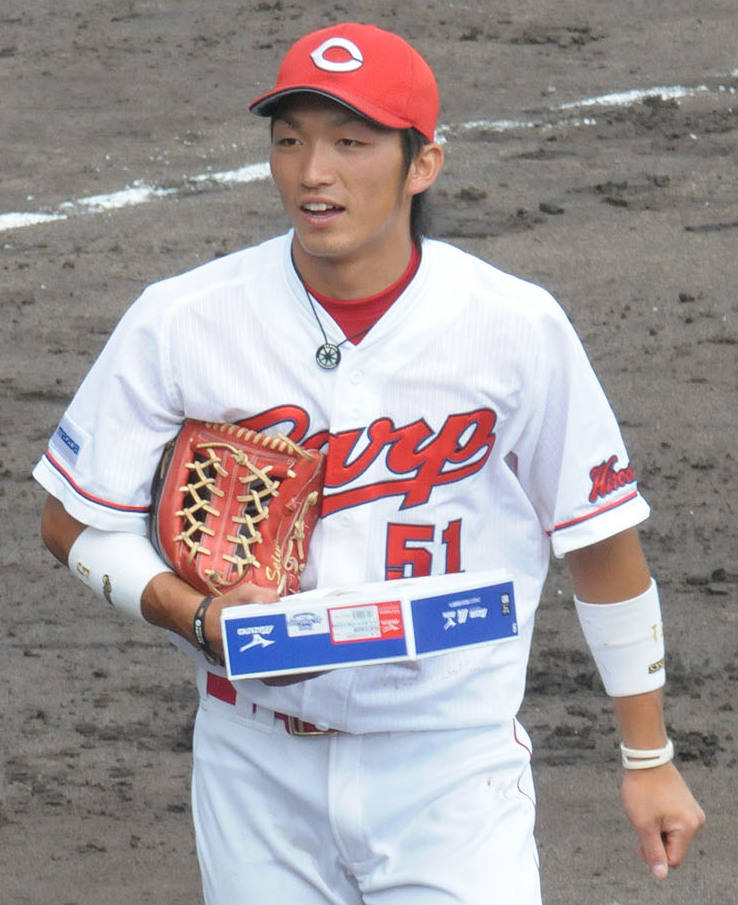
321	247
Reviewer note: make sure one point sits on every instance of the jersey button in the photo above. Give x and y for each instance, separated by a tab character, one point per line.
356	377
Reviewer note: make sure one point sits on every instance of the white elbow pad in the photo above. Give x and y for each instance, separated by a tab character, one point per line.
116	566
627	642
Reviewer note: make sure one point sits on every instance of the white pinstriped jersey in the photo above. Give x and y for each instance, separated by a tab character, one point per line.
466	431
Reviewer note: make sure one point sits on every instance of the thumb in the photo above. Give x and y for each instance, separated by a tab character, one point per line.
249	593
653	851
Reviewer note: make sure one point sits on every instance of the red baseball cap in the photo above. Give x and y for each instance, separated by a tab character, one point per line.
373	72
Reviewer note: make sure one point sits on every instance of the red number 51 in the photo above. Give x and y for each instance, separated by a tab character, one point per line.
407	559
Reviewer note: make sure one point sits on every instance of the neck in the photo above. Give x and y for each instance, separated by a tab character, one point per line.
352	278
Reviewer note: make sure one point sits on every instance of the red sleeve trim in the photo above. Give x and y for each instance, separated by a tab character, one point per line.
589	515
118	507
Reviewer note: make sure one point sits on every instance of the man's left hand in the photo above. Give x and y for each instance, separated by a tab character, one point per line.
665	815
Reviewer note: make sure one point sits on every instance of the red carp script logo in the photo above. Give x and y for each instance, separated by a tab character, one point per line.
606	478
413	458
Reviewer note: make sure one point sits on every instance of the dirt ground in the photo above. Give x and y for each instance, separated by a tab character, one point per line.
628	212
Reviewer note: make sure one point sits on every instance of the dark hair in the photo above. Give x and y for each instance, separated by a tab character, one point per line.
420	214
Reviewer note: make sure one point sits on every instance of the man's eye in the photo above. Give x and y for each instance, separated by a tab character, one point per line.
351	142
285	141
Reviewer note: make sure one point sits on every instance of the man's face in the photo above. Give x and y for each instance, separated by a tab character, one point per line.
341	180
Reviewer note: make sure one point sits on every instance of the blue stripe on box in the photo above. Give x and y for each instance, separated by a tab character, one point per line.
261	644
472	616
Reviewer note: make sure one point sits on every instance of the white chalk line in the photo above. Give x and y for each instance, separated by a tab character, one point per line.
140	192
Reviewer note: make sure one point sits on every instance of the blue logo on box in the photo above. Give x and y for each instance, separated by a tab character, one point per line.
466	617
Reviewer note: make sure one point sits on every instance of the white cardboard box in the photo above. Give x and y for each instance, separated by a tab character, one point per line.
379	622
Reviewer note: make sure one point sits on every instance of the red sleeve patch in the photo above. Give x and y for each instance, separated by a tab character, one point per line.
606	478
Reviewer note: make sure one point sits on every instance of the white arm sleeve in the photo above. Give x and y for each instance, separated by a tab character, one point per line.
627	642
115	565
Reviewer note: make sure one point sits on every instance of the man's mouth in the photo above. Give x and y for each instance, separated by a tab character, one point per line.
320	207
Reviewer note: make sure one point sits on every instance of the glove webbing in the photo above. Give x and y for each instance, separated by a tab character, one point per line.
260	490
203	486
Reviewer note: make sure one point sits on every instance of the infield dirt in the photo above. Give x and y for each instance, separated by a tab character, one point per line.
626	211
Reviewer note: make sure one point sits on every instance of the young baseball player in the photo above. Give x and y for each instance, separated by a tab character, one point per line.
464	430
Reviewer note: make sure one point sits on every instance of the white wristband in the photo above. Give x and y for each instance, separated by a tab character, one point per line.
643	759
627	642
116	566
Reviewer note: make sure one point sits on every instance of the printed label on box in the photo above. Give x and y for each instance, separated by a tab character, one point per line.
390	620
310	622
366	622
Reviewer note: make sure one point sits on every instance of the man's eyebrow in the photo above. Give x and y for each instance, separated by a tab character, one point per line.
348	118
284	118
337	120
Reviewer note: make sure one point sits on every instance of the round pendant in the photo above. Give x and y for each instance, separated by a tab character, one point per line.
328	356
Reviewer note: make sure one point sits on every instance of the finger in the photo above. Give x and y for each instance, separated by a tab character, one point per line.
678	840
653	852
656	870
280	681
262	595
250	593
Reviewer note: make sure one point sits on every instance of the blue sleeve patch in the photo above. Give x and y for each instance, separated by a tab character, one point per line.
68	440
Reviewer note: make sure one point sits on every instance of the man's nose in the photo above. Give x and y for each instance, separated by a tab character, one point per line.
317	166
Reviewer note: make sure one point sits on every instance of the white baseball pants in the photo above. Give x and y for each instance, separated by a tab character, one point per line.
407	818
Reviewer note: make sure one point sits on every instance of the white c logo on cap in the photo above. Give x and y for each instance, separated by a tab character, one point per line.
356	61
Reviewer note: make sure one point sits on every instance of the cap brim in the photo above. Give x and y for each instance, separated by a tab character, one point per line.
268	103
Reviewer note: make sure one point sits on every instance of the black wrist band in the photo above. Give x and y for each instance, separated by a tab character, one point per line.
198	629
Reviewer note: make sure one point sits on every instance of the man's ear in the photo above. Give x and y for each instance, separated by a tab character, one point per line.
424	168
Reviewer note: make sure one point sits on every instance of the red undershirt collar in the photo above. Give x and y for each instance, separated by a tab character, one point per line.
356	317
